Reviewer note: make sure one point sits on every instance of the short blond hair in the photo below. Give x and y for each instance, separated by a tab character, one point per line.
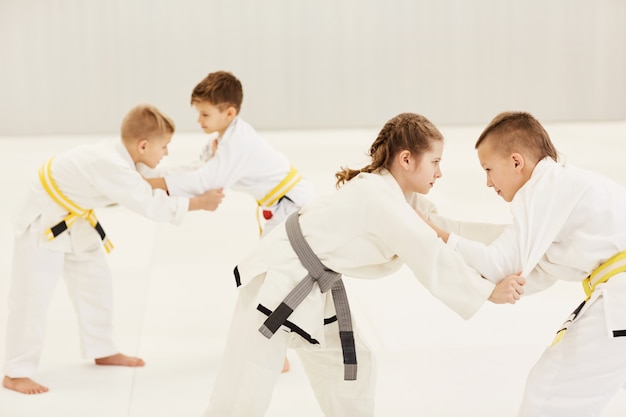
511	132
145	121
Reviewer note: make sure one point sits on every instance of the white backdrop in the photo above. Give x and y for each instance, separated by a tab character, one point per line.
76	66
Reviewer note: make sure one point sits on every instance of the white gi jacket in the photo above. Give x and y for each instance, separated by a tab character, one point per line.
94	176
365	230
566	222
244	162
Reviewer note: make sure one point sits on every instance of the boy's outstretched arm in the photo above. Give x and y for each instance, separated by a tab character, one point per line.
207	201
210	200
509	290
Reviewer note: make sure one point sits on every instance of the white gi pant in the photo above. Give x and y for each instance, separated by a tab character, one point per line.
251	364
579	375
35	273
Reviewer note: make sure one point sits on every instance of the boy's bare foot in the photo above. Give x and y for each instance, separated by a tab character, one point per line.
286	366
23	385
120	359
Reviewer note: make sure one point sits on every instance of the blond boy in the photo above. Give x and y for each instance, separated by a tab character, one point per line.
568	224
57	233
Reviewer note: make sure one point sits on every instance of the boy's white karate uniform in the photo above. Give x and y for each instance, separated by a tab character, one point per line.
244	162
91	176
566	222
365	230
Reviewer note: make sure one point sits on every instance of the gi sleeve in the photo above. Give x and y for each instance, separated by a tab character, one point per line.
125	186
494	261
437	266
222	171
482	232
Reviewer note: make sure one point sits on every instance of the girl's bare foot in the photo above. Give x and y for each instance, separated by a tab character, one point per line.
120	359
286	366
23	385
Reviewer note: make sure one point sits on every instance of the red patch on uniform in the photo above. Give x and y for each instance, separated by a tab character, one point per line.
267	214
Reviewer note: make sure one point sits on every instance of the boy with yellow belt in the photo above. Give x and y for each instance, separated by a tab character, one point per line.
239	158
57	233
568	224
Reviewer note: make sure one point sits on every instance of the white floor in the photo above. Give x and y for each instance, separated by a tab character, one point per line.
174	293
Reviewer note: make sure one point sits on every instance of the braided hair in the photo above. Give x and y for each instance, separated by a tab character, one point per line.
406	131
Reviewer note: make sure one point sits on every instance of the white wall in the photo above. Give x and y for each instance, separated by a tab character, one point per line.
76	66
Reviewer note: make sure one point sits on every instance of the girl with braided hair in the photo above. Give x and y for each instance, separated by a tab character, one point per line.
290	288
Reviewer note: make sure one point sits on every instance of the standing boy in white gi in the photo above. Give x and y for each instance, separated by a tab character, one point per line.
568	224
57	233
239	158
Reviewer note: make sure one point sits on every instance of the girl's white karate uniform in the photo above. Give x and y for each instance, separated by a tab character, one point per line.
365	230
566	222
91	176
244	162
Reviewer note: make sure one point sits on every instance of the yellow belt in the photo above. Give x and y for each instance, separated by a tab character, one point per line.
604	272
278	192
75	211
613	266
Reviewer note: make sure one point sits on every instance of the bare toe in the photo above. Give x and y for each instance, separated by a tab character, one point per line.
23	385
120	359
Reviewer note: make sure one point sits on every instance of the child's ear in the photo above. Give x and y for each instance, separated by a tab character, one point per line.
518	160
405	158
142	145
231	112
